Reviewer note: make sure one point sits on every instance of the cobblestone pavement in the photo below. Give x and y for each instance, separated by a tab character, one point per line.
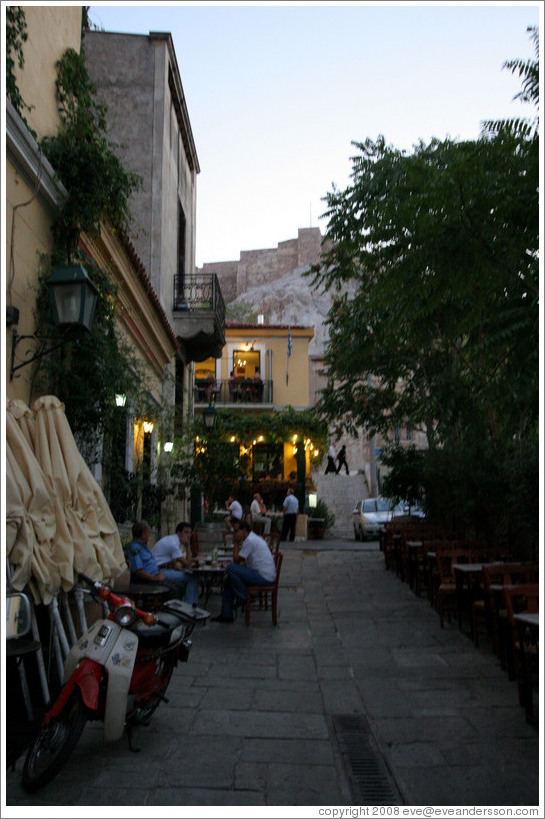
358	697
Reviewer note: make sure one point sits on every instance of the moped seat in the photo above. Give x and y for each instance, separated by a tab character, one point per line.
159	634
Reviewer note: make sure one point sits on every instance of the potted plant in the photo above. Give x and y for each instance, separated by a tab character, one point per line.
320	519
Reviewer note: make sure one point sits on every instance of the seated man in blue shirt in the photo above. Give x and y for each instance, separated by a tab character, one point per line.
144	568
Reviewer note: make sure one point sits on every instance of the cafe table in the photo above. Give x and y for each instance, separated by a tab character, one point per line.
211	572
528	629
468	577
414	552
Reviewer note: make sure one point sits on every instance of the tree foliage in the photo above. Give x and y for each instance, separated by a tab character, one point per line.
214	462
443	246
528	71
442	332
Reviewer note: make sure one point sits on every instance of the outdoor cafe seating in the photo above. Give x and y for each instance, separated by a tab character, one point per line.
522	607
260	595
489	610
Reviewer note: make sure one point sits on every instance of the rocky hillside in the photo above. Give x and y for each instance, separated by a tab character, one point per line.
291	300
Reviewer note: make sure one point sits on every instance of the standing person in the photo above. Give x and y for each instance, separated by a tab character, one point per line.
331	457
341	457
144	568
235	513
259	513
253	565
290	510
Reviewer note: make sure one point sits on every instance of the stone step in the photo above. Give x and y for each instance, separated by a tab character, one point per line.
341	493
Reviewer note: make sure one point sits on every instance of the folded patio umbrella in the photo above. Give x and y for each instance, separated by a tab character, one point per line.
56	508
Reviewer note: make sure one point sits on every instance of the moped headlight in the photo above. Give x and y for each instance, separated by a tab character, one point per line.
125	615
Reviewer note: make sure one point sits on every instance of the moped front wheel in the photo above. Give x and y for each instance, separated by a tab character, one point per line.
54	744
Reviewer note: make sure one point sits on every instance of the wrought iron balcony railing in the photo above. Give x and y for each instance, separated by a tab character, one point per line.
243	391
199	293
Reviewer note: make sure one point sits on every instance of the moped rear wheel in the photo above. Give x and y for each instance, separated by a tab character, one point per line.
54	744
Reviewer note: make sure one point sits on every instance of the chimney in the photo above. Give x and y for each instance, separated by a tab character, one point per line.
260	318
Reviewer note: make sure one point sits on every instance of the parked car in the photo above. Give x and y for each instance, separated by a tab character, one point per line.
371	514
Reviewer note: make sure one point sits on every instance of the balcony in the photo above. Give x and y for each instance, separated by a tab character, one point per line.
246	393
198	315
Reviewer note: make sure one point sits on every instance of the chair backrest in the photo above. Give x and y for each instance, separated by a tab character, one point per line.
273	541
518	598
195	543
504	574
278	558
446	559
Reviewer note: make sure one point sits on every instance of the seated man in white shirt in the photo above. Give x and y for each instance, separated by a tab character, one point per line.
235	513
176	550
253	565
258	511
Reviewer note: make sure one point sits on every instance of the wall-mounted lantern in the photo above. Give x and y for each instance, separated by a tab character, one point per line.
73	300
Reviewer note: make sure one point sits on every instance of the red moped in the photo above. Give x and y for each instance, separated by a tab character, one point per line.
117	672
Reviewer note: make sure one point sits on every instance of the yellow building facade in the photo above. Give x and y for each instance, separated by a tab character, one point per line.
263	369
34	196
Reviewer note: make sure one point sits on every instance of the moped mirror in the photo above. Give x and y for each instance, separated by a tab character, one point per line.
18	615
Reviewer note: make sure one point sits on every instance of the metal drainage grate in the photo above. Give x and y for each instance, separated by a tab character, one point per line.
309	552
369	776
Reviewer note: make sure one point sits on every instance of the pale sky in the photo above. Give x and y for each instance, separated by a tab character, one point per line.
277	92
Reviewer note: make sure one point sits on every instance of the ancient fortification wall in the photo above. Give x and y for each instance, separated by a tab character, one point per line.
258	267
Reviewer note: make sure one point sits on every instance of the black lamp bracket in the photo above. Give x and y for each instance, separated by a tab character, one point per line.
40	350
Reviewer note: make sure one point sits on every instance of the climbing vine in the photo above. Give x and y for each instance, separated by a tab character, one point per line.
16	35
84	159
87	374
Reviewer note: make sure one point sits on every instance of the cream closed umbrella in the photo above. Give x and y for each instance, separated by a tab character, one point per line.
30	517
97	548
58	521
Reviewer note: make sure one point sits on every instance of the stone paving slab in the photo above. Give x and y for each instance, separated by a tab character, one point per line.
250	716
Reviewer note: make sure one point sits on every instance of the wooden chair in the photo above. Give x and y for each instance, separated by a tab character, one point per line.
227	539
262	593
518	598
486	612
273	541
446	592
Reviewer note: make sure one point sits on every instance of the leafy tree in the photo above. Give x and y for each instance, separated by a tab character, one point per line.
528	71
441	247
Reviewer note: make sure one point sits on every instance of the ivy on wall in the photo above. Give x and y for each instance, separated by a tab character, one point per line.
16	36
85	160
87	374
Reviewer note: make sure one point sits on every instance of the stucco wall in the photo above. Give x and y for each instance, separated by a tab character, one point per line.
30	226
51	30
296	391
